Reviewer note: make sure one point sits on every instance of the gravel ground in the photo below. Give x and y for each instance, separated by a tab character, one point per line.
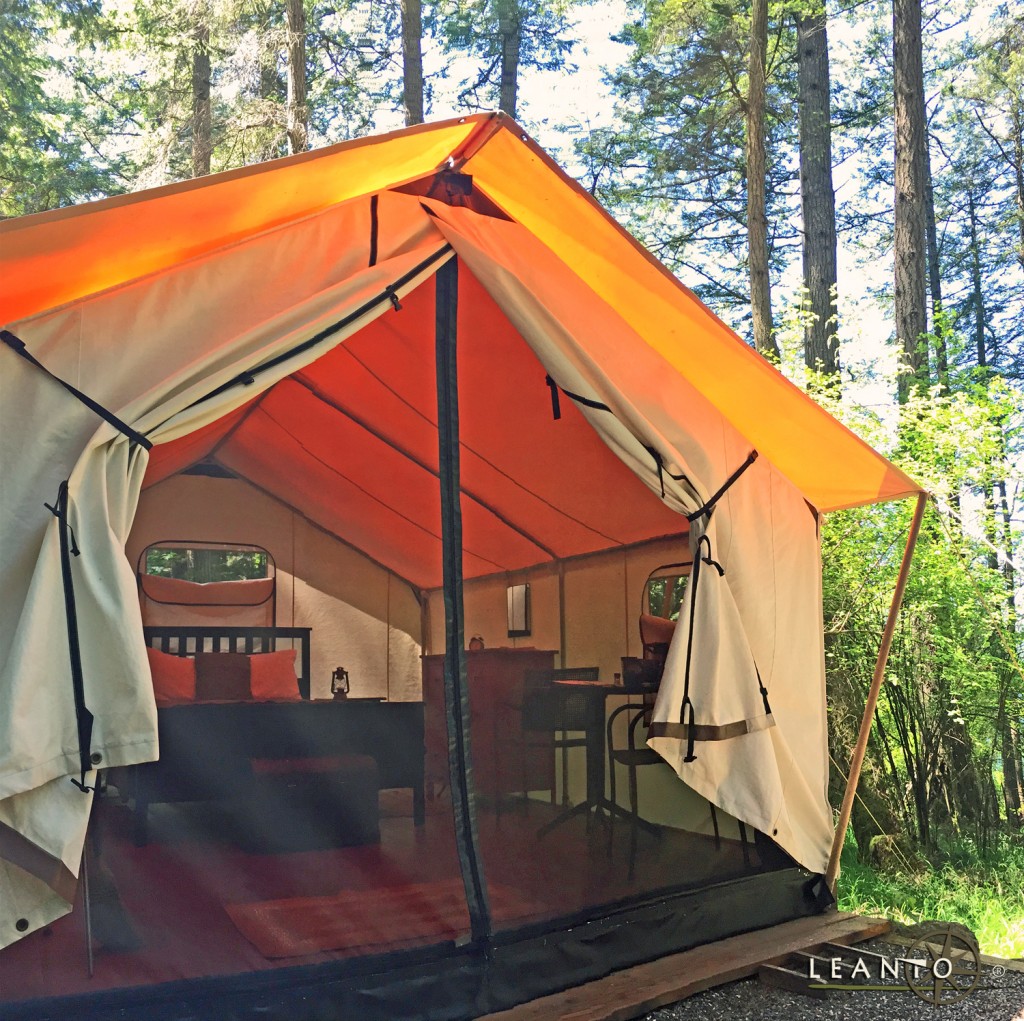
1002	999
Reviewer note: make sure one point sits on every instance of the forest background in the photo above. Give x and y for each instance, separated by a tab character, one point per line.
843	183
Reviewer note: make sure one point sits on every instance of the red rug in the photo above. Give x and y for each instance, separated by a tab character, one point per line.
366	921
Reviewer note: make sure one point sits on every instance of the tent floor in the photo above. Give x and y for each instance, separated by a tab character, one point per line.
159	912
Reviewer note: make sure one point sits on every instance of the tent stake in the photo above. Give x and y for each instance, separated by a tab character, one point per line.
872	701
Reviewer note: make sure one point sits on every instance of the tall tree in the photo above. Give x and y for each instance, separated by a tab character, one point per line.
63	123
821	337
412	60
297	110
676	171
757	216
202	117
910	184
506	37
510	28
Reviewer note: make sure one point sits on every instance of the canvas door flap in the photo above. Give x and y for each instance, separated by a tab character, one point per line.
161	374
666	431
831	466
42	833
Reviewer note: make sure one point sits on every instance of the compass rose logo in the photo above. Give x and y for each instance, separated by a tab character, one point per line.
944	966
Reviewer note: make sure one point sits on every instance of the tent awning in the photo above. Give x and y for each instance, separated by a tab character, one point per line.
65	255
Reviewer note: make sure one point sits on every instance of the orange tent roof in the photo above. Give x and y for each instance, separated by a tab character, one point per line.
58	257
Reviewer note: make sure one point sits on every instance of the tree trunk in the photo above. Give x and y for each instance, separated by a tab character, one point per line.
935	286
509	29
821	340
1018	171
911	183
298	111
757	218
412	60
978	295
202	127
1013	797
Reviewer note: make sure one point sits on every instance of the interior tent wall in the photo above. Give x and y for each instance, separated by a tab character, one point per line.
603	598
364	618
603	595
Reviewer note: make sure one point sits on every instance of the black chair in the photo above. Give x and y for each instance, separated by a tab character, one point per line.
633	757
549	710
640	675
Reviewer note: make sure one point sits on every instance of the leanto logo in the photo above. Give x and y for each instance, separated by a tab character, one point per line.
942	967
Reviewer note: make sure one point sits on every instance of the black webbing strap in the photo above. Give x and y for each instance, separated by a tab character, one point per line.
374	228
687	704
764	692
659	463
456	688
84	718
723	489
388	293
689	728
587	402
17	345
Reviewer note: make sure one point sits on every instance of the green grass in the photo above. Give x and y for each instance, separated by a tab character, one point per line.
984	893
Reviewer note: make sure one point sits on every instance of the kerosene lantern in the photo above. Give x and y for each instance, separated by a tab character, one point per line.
339	683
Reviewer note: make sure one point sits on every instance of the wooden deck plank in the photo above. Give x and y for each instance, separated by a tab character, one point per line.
632	992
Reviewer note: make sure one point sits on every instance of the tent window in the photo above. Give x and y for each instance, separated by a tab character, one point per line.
207	562
663	594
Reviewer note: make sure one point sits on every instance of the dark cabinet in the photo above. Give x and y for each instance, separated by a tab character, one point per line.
503	761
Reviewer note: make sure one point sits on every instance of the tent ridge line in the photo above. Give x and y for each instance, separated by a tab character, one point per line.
311	387
16	223
248	376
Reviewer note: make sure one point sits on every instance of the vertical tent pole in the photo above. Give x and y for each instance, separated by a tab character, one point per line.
562	657
872	701
456	693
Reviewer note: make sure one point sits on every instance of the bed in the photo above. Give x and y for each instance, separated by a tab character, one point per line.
290	756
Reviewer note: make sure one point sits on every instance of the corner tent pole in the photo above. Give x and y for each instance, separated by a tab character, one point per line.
456	693
872	701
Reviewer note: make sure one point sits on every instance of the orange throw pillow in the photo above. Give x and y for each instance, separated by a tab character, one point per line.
272	675
174	677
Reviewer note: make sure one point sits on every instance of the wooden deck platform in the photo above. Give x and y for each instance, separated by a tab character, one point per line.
634	992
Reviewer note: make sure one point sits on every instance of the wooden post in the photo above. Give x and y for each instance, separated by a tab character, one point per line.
876	686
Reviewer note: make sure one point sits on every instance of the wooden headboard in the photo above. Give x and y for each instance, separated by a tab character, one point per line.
187	640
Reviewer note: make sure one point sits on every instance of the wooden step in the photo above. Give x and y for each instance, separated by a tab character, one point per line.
633	992
792	980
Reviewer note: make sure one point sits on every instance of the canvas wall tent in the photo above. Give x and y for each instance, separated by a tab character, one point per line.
434	366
